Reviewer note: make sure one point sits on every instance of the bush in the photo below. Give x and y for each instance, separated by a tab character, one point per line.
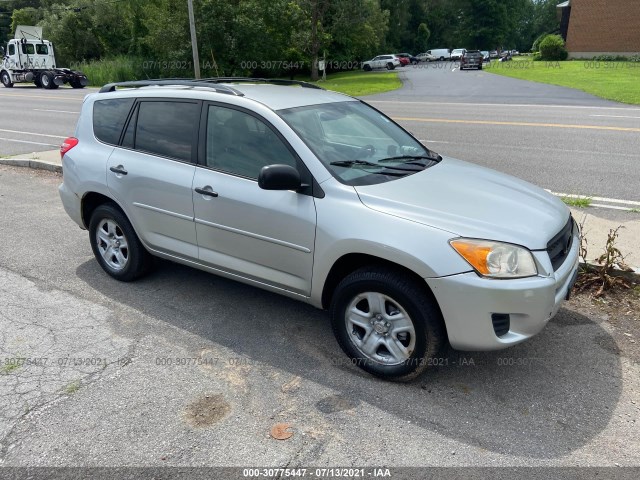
536	45
634	58
536	57
552	48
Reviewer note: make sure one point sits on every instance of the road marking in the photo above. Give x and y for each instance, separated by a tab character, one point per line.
25	141
518	105
515	124
613	116
630	204
32	133
597	199
43	96
55	111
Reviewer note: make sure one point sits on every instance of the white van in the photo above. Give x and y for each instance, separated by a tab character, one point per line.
440	53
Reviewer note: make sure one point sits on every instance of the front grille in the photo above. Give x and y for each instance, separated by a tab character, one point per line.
559	246
501	323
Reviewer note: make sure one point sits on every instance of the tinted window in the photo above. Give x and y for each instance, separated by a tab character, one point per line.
109	117
242	144
167	128
42	49
12	49
28	48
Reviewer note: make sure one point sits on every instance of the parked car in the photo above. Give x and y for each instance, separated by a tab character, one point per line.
486	56
388	61
471	59
440	53
494	54
426	57
404	61
408	57
317	196
505	56
456	54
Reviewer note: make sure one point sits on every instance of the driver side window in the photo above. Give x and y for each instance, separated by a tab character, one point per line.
241	144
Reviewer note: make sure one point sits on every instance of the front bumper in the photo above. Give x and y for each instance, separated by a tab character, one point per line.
468	301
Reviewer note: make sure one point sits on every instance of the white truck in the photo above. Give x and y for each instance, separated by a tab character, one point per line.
29	58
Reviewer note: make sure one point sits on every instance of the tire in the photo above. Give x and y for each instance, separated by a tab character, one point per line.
124	264
369	291
391	66
367	68
480	67
76	84
6	80
46	80
442	59
37	81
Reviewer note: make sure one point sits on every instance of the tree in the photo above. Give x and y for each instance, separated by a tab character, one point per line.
422	41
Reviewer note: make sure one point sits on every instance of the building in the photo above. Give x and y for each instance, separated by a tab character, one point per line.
599	27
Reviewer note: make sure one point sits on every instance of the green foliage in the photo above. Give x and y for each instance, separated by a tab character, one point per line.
552	48
536	44
422	42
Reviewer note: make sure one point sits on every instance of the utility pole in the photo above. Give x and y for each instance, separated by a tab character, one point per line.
194	40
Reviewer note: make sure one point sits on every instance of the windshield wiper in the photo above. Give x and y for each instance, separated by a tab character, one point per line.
365	163
411	157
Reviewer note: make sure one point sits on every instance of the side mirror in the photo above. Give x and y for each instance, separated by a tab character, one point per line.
1	52
279	177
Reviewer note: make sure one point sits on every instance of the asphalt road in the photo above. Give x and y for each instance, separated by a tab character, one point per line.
186	368
561	139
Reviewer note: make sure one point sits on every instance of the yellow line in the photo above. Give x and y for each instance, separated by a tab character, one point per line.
516	124
80	99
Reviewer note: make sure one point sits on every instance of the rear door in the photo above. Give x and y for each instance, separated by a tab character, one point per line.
265	236
151	173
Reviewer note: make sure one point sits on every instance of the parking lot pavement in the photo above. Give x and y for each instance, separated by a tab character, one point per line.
197	369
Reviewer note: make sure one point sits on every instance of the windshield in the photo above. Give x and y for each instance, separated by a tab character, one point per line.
357	144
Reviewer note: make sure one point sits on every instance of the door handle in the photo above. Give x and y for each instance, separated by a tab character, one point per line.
119	170
209	193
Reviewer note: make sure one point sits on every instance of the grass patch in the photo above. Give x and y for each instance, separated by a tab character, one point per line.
7	368
360	83
72	388
618	81
634	210
578	202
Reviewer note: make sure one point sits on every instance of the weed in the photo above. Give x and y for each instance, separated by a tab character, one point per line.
579	202
73	387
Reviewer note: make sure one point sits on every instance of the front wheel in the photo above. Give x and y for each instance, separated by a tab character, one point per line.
116	245
6	80
367	68
387	323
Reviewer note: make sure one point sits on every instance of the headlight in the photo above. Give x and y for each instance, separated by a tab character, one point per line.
496	259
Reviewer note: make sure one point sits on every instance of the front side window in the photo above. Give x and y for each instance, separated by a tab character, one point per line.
28	48
167	128
358	144
12	49
241	144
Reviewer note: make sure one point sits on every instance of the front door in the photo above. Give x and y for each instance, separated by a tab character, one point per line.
265	236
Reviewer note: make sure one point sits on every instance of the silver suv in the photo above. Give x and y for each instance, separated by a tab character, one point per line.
318	196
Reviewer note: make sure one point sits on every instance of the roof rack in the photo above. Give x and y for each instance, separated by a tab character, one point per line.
274	81
213	83
111	87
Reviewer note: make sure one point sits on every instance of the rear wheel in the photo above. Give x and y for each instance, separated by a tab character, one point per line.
6	80
390	66
387	323
76	84
37	81
116	245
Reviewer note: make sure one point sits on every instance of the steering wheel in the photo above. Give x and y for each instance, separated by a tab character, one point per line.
367	150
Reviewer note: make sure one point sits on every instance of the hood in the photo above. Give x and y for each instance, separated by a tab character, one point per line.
471	201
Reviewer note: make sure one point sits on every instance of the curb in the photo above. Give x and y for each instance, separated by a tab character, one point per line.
29	163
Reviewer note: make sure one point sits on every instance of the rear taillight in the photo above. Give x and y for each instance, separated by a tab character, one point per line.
67	145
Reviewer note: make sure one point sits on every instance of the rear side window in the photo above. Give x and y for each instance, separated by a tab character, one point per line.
109	117
167	128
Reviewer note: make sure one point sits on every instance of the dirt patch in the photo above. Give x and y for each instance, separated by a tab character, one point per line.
207	410
620	309
335	403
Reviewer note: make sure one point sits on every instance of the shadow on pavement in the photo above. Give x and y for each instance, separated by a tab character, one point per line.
542	399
